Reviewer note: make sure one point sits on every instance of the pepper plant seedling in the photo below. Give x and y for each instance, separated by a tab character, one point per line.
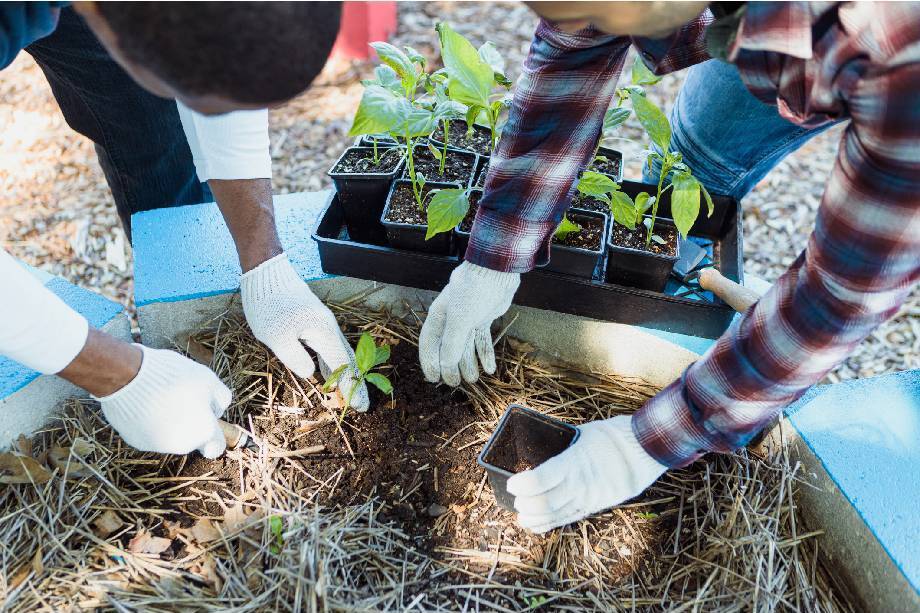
368	356
447	208
389	105
566	227
472	76
685	199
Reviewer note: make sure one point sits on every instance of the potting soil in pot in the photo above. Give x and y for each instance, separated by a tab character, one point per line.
589	237
362	162
479	141
467	224
635	239
404	208
608	166
458	168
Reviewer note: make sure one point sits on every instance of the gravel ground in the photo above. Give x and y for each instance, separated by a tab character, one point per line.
57	214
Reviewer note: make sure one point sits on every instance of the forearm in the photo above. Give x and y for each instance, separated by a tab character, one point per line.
553	125
246	205
104	365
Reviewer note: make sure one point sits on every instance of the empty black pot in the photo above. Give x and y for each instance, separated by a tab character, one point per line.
522	440
363	195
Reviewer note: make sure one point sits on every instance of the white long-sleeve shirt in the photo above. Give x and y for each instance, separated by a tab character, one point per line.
37	329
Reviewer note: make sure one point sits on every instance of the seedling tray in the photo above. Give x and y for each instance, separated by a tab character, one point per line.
682	307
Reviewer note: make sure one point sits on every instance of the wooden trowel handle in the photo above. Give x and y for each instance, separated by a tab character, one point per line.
733	294
234	435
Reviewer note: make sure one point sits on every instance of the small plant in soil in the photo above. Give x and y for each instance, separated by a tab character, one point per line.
566	229
585	233
685	197
390	106
472	78
448	207
368	356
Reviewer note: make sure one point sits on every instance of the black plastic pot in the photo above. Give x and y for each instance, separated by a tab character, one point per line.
479	179
576	261
412	236
422	150
638	268
383	140
523	439
461	236
611	154
362	196
461	126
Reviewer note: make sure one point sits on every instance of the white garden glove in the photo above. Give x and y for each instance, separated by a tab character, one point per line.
458	324
282	312
171	406
605	467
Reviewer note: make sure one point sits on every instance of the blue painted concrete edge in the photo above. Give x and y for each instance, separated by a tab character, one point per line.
866	433
97	310
174	259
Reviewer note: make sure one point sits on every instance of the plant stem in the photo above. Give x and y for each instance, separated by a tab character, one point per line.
376	157
410	162
444	152
665	169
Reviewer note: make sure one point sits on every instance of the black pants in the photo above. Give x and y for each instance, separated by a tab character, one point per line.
138	136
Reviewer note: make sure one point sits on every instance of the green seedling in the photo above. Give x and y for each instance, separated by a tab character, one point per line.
389	105
447	208
625	211
685	198
566	228
472	78
276	526
368	356
534	602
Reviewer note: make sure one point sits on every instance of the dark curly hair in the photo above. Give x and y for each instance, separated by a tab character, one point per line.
250	52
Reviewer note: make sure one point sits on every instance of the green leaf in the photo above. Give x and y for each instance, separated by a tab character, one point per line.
420	122
276	526
380	111
613	118
623	209
333	379
659	240
565	228
386	77
447	208
709	205
448	109
415	57
365	353
596	184
641	75
400	62
643	202
653	120
381	382
470	77
685	202
434	151
382	355
489	54
472	113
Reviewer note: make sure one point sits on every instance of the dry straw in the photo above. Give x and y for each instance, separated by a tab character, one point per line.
723	535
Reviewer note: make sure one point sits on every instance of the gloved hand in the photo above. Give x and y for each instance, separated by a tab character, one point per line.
605	467
171	406
282	311
458	324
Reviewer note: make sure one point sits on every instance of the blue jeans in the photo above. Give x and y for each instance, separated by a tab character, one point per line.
138	137
728	138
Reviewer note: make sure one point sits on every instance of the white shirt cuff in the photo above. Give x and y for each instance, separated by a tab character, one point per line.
230	146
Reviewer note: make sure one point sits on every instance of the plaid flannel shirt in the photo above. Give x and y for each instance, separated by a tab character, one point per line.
862	258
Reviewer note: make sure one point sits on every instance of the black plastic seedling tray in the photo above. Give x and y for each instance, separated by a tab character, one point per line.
522	437
683	307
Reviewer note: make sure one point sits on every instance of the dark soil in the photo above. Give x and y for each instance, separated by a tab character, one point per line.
608	166
459	168
590	237
525	442
635	239
467	224
480	141
362	161
404	208
587	203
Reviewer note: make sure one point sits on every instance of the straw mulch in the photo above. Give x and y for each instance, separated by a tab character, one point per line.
100	525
